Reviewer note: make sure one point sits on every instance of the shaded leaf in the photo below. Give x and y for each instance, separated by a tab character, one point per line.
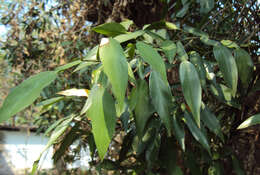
181	52
195	31
196	132
227	66
170	49
183	11
161	96
142	109
229	44
191	88
25	94
115	67
102	113
206	5
211	121
179	132
245	66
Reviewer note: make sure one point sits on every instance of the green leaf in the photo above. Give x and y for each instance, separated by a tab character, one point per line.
227	66
151	56
59	130
49	101
191	88
161	96
206	5
181	52
197	61
195	31
102	113
179	132
170	49
25	94
92	54
253	120
208	41
67	66
236	166
129	36
229	44
183	11
127	23
115	67
211	121
131	74
110	29
84	64
196	132
143	109
245	66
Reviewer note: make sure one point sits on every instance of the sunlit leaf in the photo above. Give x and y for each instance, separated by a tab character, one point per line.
115	67
25	94
191	88
75	92
150	55
67	66
129	36
102	113
253	120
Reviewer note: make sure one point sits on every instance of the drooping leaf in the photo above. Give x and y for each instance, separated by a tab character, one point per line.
198	63
196	132
110	29
25	94
161	98
191	88
245	66
151	56
253	120
227	66
58	131
170	49
129	36
102	113
179	132
195	31
206	5
211	121
143	109
208	41
115	67
181	52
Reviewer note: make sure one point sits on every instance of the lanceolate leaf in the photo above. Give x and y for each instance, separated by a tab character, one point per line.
151	56
115	67
227	66
102	113
24	94
191	88
129	36
181	52
110	29
170	49
253	120
244	65
143	109
179	132
59	130
210	120
197	61
161	98
196	132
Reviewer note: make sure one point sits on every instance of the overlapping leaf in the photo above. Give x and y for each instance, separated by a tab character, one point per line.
191	88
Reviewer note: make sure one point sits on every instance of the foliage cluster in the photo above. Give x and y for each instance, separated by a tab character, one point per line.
160	97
